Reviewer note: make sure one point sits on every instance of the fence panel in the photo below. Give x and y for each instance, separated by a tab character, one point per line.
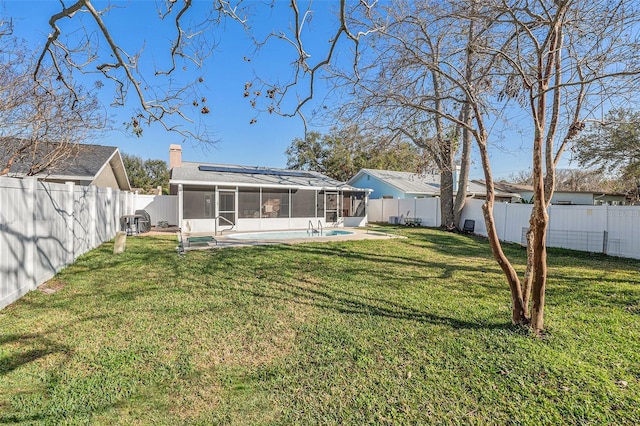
83	200
160	207
428	209
16	245
510	219
623	226
46	226
407	207
374	211
383	209
51	232
614	230
578	218
473	211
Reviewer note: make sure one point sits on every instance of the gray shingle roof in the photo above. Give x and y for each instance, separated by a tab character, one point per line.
479	187
193	174
407	182
83	161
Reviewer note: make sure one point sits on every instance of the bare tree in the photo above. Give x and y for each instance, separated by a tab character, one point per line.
162	92
399	88
574	180
40	124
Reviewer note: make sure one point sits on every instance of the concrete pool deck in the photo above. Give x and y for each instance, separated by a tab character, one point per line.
225	241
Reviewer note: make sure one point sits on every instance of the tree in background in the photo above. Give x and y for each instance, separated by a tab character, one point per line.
39	126
401	88
146	175
573	180
156	85
612	146
340	154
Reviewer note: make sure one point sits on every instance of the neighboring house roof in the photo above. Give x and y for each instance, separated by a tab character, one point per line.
478	187
83	163
190	173
517	188
510	187
407	182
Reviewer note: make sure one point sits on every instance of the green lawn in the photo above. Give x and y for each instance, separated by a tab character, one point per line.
403	331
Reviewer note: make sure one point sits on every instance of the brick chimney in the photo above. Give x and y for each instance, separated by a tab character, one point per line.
175	156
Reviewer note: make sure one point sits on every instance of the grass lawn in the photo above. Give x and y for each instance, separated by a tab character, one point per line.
404	331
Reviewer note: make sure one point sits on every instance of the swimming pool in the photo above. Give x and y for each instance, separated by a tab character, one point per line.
288	235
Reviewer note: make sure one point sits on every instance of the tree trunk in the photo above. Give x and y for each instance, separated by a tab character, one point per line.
518	311
529	271
446	199
540	270
539	220
465	160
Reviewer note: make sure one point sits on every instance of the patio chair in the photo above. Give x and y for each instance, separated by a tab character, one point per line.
469	226
128	224
143	221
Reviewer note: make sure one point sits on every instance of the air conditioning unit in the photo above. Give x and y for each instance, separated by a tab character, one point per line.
394	220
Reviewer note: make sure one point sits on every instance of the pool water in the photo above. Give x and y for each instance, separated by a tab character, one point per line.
287	235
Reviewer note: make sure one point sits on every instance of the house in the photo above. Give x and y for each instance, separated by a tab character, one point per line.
502	194
217	197
584	198
82	164
392	184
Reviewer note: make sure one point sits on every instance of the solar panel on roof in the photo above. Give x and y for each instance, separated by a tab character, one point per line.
254	171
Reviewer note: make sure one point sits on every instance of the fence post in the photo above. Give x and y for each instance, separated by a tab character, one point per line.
109	231
118	201
181	205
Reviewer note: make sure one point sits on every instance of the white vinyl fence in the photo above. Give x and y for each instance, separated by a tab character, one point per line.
161	208
614	230
46	226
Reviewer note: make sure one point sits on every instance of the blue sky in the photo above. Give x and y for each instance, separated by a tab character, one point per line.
225	73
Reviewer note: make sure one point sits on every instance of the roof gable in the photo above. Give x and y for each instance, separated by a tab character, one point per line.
406	182
77	162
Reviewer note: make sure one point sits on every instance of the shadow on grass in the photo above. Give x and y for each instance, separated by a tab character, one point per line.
42	347
309	293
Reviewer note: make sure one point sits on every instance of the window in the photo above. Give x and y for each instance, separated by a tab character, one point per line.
198	204
249	203
353	204
303	203
320	204
275	203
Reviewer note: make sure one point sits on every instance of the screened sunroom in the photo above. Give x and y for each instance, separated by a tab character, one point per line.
214	198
